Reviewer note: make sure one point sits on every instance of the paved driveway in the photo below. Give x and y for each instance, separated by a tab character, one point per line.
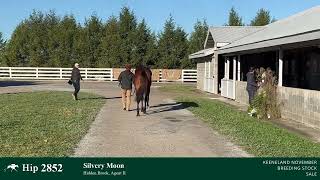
167	130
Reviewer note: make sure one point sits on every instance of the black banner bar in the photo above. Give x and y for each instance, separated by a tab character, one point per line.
165	168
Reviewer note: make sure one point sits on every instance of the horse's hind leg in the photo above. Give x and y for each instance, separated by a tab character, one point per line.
147	101
143	108
138	114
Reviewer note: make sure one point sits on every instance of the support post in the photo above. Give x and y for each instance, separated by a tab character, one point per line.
205	76
228	68
225	68
209	78
238	70
234	77
280	75
215	73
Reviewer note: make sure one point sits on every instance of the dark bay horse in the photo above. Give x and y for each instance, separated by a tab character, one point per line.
142	83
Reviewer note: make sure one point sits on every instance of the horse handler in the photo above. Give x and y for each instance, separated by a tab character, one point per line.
75	78
126	79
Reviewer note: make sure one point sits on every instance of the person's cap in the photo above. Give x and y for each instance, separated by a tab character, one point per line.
76	64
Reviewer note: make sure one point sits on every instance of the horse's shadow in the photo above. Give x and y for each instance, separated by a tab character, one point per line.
118	97
166	107
16	83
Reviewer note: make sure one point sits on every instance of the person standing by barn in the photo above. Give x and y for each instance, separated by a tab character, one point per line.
126	79
251	84
75	78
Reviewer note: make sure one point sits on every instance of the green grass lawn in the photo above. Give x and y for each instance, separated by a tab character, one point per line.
44	123
258	137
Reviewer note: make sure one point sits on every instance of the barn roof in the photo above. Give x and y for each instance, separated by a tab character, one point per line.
303	26
221	36
228	34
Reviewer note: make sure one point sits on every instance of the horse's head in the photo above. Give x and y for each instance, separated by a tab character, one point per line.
12	166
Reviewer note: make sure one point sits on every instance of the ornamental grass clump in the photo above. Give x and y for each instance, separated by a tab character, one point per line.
265	104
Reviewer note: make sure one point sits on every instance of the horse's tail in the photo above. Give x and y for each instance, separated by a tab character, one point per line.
139	96
141	90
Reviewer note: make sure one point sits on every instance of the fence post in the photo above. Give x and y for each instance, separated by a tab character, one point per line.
37	73
160	76
60	73
182	76
111	76
86	74
10	73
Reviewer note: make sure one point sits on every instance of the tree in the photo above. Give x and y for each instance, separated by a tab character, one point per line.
62	39
29	44
262	18
172	46
127	28
234	18
45	39
2	51
181	50
93	34
18	47
143	41
196	40
166	45
110	44
152	53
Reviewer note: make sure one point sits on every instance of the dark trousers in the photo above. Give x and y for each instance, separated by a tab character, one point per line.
76	85
251	94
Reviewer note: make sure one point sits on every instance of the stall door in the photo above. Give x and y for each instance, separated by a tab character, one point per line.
228	85
208	78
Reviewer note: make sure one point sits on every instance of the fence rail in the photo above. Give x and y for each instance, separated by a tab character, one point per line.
100	74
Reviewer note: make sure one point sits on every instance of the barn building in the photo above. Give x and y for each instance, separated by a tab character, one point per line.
290	47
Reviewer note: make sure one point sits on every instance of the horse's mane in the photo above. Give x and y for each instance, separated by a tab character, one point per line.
140	67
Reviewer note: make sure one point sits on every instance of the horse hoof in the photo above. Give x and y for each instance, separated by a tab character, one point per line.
138	114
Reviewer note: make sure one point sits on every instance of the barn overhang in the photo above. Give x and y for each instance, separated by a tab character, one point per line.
202	53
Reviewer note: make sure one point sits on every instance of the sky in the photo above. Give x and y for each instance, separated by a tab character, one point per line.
155	12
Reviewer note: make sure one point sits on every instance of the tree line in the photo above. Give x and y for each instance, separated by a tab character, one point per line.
46	39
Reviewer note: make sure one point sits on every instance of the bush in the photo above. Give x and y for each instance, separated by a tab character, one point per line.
265	104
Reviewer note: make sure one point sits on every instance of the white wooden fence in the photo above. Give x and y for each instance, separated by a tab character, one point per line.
189	75
101	74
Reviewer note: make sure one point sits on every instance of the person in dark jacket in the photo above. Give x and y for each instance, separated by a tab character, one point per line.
75	78
126	79
251	84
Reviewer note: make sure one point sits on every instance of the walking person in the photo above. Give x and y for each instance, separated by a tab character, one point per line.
126	79
251	84
75	78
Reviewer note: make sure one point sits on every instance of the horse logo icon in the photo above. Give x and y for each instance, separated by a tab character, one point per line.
12	167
